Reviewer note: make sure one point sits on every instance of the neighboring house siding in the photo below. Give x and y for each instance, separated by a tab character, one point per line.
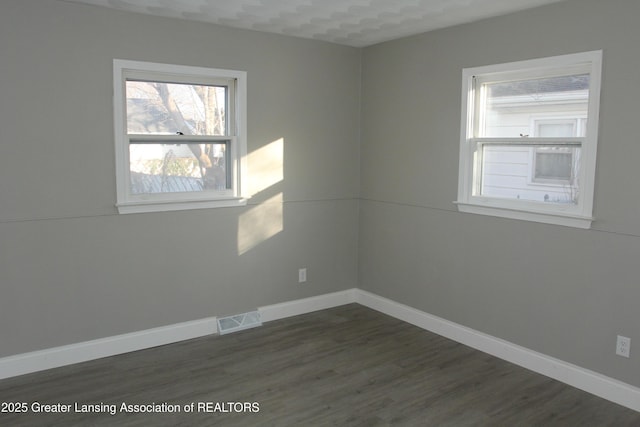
508	173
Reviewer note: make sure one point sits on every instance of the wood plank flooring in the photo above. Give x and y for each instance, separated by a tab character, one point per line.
347	366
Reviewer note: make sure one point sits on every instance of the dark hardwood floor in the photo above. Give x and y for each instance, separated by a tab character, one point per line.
347	366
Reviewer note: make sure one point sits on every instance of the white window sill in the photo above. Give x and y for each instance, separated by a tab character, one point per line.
155	206
555	218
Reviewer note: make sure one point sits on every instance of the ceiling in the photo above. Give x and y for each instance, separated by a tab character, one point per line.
355	23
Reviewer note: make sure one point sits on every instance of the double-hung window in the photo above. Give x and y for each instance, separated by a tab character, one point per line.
180	136
529	139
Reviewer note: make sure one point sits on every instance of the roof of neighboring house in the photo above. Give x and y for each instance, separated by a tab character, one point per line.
537	86
144	183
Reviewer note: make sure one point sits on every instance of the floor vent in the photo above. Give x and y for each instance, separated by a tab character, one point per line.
239	322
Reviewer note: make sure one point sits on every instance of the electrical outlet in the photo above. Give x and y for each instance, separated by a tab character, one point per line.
302	275
623	346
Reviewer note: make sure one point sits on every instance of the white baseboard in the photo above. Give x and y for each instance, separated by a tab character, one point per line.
307	305
56	357
581	378
96	349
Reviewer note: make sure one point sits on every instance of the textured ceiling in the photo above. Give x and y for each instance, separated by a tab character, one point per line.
356	23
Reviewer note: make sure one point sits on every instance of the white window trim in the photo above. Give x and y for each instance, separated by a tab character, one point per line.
580	215
138	203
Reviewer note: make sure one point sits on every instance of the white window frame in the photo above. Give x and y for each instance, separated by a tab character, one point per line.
470	199
127	202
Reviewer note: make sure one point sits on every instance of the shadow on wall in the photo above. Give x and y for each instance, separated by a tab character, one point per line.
264	220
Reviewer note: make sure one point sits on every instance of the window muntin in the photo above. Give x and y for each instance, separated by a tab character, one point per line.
180	136
526	143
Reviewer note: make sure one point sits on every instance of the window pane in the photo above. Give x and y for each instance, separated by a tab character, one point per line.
533	173
169	108
510	108
173	168
552	164
556	130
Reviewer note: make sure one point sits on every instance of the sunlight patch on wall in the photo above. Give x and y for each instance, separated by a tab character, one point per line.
265	219
266	166
260	223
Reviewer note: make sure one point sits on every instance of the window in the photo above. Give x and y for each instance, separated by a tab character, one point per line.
529	137
180	136
556	165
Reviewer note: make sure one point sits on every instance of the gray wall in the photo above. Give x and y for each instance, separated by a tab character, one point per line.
560	291
72	269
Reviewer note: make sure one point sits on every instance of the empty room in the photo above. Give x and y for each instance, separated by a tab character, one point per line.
306	212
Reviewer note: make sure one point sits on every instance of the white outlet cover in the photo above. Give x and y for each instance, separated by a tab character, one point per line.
623	346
